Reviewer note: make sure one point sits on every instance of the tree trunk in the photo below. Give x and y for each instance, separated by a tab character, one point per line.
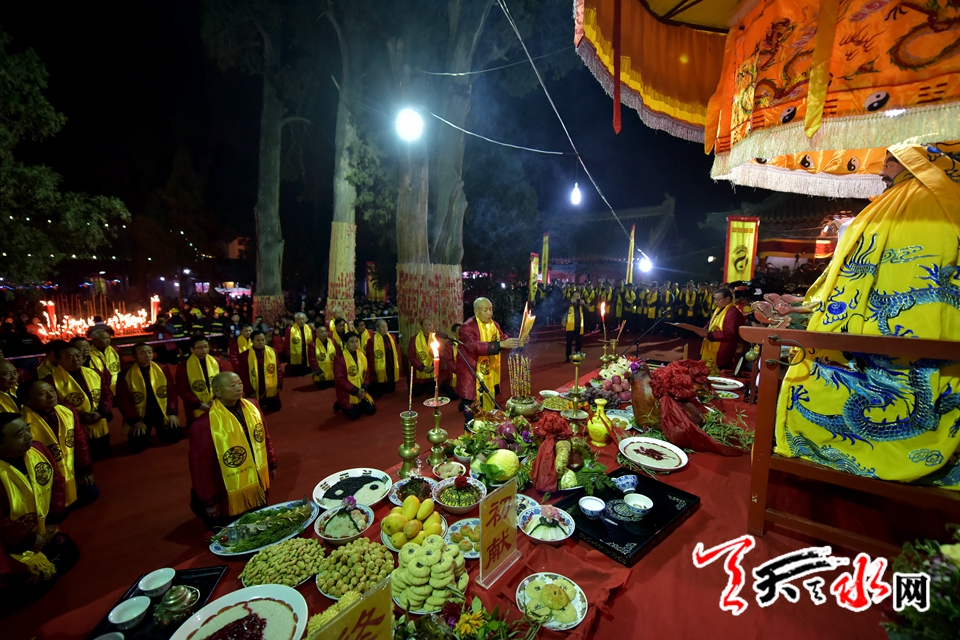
342	274
268	299
468	19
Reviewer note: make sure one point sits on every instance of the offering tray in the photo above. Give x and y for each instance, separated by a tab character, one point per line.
628	539
204	579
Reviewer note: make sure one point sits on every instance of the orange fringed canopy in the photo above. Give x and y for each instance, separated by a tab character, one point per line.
786	104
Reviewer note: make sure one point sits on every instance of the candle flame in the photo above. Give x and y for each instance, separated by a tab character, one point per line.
435	345
603	308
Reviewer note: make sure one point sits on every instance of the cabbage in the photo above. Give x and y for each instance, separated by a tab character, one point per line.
569	480
506	462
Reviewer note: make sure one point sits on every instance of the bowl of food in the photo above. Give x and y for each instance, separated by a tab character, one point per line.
446	470
344	524
156	582
129	613
638	503
547	524
459	495
462	456
413	485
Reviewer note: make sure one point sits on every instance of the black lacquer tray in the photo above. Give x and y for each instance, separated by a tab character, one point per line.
205	579
624	540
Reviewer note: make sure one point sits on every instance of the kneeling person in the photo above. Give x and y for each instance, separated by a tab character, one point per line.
146	400
351	377
58	428
232	461
32	500
262	379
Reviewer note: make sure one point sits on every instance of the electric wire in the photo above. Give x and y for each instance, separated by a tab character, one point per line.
502	144
506	13
473	73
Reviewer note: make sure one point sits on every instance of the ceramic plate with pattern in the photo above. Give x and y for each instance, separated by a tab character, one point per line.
281	605
367	486
562	619
525	502
724	384
474	523
385	539
395	491
549	393
219	549
654	454
620	510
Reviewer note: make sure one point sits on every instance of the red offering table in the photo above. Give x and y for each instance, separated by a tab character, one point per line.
663	595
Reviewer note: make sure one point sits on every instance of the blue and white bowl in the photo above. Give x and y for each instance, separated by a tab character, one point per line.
638	503
592	506
626	483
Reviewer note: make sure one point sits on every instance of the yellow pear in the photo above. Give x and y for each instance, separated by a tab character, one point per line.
396	510
433	518
398	539
426	508
393	523
410	507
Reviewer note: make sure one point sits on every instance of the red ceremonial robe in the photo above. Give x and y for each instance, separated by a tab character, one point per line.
729	338
205	470
124	397
342	385
387	357
471	349
190	399
243	370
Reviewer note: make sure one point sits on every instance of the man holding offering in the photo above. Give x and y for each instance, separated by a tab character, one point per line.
482	340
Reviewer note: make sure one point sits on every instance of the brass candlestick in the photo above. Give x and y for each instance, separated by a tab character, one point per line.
436	436
576	413
409	450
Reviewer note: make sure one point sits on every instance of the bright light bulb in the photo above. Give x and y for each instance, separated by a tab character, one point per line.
711	258
162	279
575	194
409	125
645	264
186	271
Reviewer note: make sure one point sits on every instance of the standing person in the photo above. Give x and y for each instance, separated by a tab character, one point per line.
194	378
482	341
574	323
165	352
84	389
260	372
420	356
298	338
103	357
688	303
589	297
240	344
9	380
325	352
364	333
32	502
352	379
629	297
722	335
147	401
220	324
50	363
57	427
383	353
178	329
232	461
451	356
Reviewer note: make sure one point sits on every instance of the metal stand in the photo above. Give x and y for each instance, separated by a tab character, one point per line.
576	413
436	436
409	450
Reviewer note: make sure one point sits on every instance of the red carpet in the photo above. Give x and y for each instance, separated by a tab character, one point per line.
142	522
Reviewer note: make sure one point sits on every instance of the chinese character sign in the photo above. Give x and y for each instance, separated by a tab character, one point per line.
855	589
498	533
742	235
369	618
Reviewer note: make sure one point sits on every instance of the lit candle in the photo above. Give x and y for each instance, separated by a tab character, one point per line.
435	346
603	321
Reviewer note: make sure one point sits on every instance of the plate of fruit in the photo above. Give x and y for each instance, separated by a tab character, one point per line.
465	534
412	522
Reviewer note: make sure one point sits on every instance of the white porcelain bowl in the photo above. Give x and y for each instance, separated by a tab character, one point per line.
457	467
458	511
325	517
638	503
156	582
528	521
113	635
129	613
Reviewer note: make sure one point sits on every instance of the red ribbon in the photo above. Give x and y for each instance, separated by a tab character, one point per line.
616	66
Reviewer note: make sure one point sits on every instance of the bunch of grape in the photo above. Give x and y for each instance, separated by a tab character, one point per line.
590	394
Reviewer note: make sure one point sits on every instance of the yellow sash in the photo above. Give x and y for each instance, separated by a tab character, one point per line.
138	388
589	296
243	344
652	304
7	403
270	377
325	356
356	371
571	320
690	299
488	367
364	339
426	357
245	473
59	443
72	394
380	358
710	348
109	360
199	385
29	495
45	369
337	340
298	352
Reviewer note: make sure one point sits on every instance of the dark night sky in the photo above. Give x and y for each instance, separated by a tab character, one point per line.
135	83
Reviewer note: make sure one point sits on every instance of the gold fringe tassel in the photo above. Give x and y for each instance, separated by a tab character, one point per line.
812	184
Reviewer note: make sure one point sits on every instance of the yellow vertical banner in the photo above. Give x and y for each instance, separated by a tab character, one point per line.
369	618
498	533
374	291
545	259
534	273
629	278
742	235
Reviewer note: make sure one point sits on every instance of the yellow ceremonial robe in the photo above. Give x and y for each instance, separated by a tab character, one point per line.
73	394
488	367
59	442
158	385
198	384
380	359
244	468
30	494
422	346
8	403
298	350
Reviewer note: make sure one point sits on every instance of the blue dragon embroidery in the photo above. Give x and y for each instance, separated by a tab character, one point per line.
873	388
827	456
859	264
886	306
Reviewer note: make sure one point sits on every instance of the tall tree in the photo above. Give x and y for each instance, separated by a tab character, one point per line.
249	36
42	225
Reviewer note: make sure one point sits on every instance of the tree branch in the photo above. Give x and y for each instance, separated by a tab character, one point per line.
290	119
